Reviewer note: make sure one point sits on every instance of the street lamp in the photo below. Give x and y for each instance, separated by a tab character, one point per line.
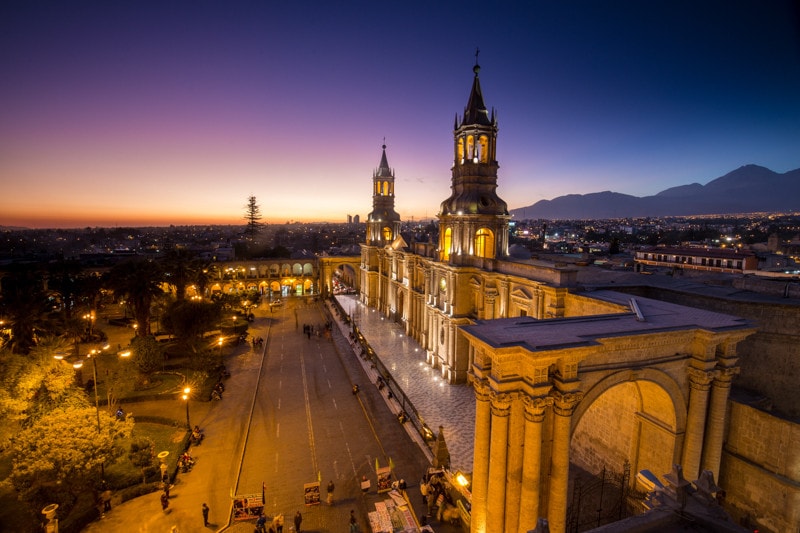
77	365
186	392
94	354
219	342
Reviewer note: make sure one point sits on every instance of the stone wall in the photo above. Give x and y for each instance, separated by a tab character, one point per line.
604	435
761	469
769	359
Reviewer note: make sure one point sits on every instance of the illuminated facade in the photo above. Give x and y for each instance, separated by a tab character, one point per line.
513	330
432	290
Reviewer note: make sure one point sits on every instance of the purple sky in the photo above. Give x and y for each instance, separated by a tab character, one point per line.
153	113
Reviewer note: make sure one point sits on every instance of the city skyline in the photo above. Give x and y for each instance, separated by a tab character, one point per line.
174	113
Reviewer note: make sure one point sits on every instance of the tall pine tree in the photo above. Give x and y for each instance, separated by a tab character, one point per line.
253	217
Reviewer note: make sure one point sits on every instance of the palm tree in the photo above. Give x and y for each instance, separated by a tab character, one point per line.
139	281
179	269
24	302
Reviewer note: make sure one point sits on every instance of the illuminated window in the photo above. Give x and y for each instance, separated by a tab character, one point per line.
387	233
484	243
483	143
446	243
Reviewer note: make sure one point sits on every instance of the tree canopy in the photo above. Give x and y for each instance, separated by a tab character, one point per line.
63	452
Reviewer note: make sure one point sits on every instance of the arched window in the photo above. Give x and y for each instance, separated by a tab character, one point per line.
483	142
447	242
484	243
385	188
387	233
460	147
470	147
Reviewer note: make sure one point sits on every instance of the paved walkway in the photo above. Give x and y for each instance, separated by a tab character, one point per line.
449	406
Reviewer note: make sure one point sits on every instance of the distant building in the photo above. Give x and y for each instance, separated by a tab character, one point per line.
732	261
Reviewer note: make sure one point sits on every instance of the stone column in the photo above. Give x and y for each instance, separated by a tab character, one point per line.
699	382
505	300
516	441
564	404
480	466
532	462
498	463
715	426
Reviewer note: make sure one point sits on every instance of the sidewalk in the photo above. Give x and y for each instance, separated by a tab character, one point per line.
441	404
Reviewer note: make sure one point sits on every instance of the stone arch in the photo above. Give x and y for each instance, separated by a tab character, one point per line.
308	269
633	415
297	269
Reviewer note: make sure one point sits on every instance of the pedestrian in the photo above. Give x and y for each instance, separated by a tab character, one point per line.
206	509
330	493
298	519
353	522
261	524
277	523
164	501
105	497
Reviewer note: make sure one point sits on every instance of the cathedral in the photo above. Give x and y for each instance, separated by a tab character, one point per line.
434	289
563	378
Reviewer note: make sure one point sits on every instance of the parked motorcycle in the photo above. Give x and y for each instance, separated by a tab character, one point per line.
185	463
197	436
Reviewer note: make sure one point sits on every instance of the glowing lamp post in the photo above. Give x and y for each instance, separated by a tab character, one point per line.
94	354
219	342
185	397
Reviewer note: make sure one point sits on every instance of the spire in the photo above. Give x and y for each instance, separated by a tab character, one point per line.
383	168
475	112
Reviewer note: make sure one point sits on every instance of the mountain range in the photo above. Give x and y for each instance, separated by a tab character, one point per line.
748	189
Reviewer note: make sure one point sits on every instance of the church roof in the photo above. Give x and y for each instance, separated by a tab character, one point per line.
475	112
562	333
383	168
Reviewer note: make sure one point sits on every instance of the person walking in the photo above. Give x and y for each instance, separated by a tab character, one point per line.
164	501
298	519
330	492
277	523
206	509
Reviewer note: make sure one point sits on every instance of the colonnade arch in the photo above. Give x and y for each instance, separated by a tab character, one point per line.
642	416
547	390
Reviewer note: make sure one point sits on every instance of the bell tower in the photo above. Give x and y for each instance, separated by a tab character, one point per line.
473	222
383	223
